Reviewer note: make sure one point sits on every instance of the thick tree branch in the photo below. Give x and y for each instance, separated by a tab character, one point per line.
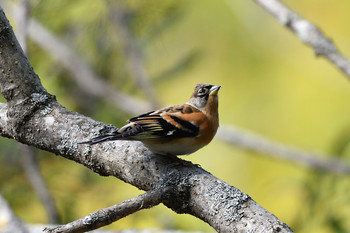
111	214
34	117
307	33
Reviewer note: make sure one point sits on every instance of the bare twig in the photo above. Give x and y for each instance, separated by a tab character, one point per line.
111	214
9	222
307	33
21	17
261	144
132	54
31	169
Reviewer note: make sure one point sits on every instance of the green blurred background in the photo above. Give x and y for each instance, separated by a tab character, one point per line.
272	85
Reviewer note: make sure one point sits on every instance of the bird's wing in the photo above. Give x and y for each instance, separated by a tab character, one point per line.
171	122
167	123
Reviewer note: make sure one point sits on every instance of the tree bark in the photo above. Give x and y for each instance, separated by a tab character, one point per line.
34	117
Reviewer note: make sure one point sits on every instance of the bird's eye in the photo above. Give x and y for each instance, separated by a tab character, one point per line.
201	91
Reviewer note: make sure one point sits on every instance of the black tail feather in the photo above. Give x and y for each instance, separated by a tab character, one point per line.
101	138
126	134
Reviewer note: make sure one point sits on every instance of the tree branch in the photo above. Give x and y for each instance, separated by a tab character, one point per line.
132	54
260	144
3	120
31	169
21	18
111	214
33	116
9	222
307	33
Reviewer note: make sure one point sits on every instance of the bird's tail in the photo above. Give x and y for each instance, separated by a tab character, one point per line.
101	138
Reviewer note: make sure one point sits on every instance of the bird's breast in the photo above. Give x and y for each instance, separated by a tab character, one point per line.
180	146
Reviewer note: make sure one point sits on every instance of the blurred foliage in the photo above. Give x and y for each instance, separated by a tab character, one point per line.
272	84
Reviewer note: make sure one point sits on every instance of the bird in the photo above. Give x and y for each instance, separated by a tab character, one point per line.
174	130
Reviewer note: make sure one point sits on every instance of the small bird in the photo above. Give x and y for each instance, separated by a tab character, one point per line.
175	130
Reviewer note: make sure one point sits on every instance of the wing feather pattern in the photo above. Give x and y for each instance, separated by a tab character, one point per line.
165	123
166	126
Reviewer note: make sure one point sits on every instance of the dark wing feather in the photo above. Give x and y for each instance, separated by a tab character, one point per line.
98	139
153	126
164	124
156	127
126	135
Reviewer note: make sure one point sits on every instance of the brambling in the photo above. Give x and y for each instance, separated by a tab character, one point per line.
174	130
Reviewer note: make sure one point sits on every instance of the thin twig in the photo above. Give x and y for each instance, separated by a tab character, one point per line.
21	17
111	214
307	33
31	169
8	220
261	144
133	55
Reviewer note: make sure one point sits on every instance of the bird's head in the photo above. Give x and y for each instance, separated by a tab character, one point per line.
205	96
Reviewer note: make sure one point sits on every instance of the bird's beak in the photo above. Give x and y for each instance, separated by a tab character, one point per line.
214	90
